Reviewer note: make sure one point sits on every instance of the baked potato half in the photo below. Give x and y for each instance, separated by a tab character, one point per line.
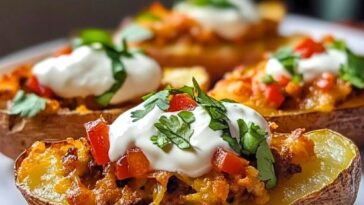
174	39
311	89
15	131
63	117
331	178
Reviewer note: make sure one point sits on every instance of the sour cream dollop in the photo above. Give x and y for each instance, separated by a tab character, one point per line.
126	134
312	67
229	23
88	71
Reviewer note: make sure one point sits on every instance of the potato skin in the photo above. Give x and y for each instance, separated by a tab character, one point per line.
342	191
347	121
18	133
217	59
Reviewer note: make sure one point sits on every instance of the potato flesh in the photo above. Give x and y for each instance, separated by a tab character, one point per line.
42	172
334	154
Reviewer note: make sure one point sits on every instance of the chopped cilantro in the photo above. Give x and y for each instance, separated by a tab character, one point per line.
353	71
265	166
147	16
27	105
159	99
268	79
288	59
103	38
253	141
134	33
214	3
119	74
174	130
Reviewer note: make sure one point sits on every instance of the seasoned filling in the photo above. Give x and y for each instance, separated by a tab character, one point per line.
311	76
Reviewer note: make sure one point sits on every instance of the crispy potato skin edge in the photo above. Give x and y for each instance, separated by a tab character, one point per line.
18	133
342	191
348	121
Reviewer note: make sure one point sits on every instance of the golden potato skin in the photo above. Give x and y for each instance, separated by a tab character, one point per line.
18	133
342	191
347	121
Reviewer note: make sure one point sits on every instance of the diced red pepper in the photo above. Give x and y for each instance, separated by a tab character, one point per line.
133	164
122	169
138	162
39	89
63	51
181	102
98	136
283	80
308	47
229	162
273	95
326	82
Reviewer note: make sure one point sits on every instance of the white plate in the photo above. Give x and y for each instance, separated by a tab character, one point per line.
292	24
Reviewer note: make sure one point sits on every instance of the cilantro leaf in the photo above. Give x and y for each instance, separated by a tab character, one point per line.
268	79
289	60
353	71
217	112
92	36
186	116
213	107
214	3
174	130
253	141
253	136
159	99
135	33
161	140
233	142
27	105
119	74
147	16
265	161
339	45
186	89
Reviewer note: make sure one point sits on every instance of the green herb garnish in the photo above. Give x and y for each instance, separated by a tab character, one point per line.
104	39
268	79
253	141
160	99
27	105
289	60
135	33
265	161
174	130
147	16
353	71
214	3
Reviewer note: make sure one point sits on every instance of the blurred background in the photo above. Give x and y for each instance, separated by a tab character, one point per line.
26	23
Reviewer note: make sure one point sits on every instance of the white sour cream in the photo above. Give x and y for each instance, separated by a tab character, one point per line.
312	67
125	134
229	23
88	71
